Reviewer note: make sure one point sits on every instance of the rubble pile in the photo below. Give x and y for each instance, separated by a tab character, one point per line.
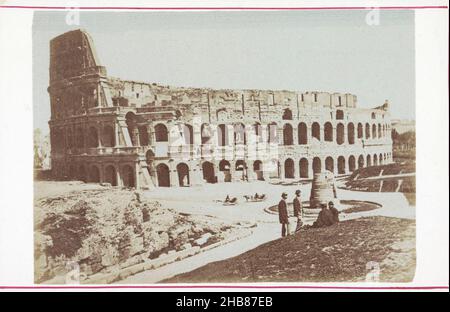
109	229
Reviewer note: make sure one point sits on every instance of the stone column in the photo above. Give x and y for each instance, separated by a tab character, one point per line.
151	135
310	169
281	170
99	134
137	176
174	177
118	176
116	134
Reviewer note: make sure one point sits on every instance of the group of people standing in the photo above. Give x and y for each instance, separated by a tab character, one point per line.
328	215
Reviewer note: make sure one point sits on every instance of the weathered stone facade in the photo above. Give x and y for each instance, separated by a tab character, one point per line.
136	134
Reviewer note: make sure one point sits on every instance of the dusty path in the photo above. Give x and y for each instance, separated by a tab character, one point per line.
203	200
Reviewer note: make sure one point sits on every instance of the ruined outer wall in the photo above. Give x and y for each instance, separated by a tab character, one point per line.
140	134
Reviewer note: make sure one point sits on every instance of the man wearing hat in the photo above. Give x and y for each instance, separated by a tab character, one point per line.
283	215
298	209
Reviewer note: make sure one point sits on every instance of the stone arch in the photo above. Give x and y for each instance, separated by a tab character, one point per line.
289	168
360	161
360	130
351	163
379	131
367	131
302	133
328	132
183	174
329	164
375	160
272	129
93	137
351	133
186	133
340	134
161	133
288	138
374	131
81	173
258	169
143	136
239	134
368	161
94	174
317	165
341	165
163	175
240	165
108	137
287	114
224	166
222	134
380	159
221	114
315	130
206	133
208	172
304	170
257	130
110	175
128	176
131	121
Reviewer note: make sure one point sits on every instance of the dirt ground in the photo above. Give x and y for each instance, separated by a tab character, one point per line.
104	229
348	251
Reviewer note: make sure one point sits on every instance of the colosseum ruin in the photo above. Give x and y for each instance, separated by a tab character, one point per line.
145	135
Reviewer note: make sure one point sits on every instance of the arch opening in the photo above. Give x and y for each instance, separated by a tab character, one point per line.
340	134
302	133
328	132
289	169
329	164
315	131
110	175
208	172
304	172
163	175
183	174
317	165
341	165
288	138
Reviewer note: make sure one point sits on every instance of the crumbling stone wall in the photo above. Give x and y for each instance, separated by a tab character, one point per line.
137	134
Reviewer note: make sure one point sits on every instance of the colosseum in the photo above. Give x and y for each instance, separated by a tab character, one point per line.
145	135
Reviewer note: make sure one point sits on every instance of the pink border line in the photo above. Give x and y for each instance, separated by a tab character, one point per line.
231	287
225	8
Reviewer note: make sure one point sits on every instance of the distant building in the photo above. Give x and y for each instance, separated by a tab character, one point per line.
402	126
137	134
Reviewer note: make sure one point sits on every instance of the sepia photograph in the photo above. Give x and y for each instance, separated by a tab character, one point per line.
224	147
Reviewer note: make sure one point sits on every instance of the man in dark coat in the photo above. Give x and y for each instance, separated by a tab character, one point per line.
325	217
334	211
298	209
283	215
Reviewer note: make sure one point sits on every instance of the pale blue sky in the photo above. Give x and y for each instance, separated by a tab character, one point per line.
334	51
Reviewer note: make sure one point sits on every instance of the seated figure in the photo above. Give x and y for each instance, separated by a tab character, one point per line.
325	217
